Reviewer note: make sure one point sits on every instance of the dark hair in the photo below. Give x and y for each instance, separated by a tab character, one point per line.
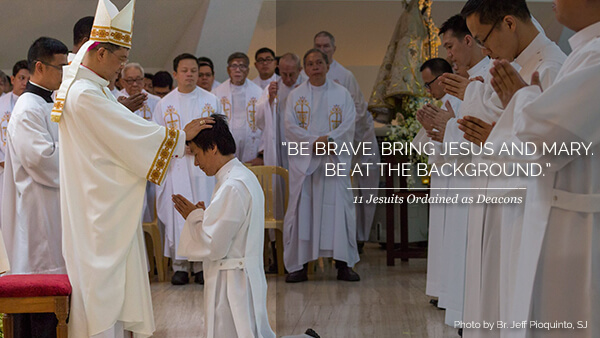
238	55
20	65
44	49
181	57
148	76
202	64
219	135
314	50
492	11
204	59
162	79
264	50
82	29
437	66
458	25
326	34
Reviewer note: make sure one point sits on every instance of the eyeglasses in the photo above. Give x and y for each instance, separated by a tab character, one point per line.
122	58
428	84
238	66
267	60
481	43
138	80
59	68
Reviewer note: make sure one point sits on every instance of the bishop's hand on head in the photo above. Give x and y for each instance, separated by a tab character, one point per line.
195	126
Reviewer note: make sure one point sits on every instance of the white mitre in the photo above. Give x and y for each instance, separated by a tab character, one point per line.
110	26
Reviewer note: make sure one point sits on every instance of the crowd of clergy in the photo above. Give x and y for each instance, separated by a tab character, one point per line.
503	81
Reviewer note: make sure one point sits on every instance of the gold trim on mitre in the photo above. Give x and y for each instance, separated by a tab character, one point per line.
113	26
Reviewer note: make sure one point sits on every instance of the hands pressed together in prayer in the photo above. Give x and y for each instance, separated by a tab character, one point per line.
195	126
506	81
133	102
456	85
476	130
185	207
434	120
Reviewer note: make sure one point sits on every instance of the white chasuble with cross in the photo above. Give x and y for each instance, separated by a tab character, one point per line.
320	220
239	105
174	111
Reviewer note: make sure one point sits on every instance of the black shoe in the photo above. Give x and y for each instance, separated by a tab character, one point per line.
347	274
460	332
434	302
199	278
180	278
297	276
361	246
312	333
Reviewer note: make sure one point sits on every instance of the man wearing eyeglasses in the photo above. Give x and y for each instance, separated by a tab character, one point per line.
265	65
132	77
239	99
504	30
31	222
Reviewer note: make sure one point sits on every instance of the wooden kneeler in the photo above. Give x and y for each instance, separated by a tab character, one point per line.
35	294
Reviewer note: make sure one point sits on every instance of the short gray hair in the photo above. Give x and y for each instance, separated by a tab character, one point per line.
326	34
132	65
291	57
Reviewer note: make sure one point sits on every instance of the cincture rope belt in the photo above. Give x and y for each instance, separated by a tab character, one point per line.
235	263
589	203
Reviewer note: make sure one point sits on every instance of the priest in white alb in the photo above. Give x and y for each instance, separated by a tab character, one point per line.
320	220
228	237
239	98
107	155
184	104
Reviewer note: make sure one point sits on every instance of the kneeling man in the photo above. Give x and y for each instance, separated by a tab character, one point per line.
228	237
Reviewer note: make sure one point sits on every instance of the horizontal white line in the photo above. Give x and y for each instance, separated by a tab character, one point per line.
437	188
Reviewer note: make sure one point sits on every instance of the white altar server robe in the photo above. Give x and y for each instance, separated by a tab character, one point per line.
320	219
239	105
557	274
455	229
107	154
174	111
265	83
228	237
31	204
492	247
437	211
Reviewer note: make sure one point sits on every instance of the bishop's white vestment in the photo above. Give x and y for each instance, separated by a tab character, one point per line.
320	219
31	200
239	105
228	237
174	111
107	155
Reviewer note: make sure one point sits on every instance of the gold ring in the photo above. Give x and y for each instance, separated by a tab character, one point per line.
202	122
